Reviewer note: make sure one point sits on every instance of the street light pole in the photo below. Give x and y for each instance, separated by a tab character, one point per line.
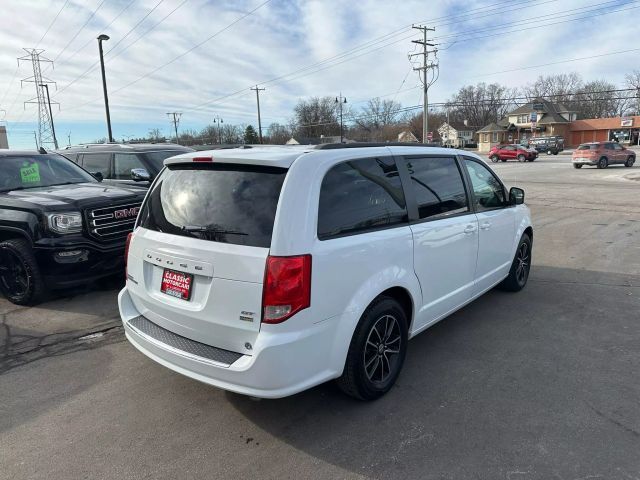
341	100
53	129
218	120
102	38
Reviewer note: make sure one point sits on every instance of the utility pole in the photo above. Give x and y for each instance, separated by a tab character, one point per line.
341	101
35	137
258	100
175	119
53	129
69	138
425	68
45	122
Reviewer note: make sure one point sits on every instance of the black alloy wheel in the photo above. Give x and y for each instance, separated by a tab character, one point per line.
377	350
603	163
20	279
382	350
520	267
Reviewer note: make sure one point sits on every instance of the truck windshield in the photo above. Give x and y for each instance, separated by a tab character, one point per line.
223	203
31	171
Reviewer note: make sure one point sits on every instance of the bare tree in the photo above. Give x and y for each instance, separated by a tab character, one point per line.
377	114
155	135
481	104
317	116
278	134
556	88
597	100
632	80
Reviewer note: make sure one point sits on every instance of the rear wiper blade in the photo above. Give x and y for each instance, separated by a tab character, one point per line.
194	228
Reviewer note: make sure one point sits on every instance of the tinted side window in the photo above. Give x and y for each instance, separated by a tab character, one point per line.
359	196
437	186
97	162
487	189
123	163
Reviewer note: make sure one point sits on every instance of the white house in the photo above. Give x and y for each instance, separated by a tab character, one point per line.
456	134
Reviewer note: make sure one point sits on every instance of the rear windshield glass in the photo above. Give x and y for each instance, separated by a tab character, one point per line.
587	147
222	203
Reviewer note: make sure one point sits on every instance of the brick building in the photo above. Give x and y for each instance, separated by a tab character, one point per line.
624	129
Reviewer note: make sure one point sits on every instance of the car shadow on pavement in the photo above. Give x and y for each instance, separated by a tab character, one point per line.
541	382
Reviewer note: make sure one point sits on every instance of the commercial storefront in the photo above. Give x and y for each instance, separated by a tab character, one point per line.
625	130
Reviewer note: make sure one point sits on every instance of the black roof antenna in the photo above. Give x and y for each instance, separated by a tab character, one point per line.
42	151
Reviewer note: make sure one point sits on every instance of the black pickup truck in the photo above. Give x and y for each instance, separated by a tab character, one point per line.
59	226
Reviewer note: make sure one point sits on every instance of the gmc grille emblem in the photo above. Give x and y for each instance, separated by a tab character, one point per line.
126	212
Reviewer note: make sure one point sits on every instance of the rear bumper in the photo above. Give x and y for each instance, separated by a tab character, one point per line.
280	364
584	161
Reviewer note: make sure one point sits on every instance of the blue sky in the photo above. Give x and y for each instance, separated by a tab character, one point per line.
476	40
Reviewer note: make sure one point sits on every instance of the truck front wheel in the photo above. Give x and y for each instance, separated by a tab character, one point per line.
20	278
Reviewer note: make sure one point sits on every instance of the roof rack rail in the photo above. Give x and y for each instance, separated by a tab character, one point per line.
335	146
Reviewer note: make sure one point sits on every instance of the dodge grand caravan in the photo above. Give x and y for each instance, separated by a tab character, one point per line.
271	270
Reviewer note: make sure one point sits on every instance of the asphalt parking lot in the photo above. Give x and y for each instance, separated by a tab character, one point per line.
536	385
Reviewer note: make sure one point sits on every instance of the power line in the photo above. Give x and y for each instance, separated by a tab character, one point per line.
91	40
51	24
80	30
88	70
192	48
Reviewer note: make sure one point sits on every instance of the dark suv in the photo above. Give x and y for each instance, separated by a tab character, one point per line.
549	145
122	163
59	226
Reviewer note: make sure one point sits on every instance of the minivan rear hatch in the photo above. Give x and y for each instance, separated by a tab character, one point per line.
197	261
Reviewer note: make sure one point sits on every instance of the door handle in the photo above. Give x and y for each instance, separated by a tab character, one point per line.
485	226
470	229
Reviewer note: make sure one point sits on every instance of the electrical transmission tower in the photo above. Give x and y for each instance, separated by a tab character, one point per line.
46	130
175	119
429	72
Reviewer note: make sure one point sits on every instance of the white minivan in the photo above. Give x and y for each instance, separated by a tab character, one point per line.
266	271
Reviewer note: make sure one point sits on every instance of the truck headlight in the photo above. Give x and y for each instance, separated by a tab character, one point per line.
67	222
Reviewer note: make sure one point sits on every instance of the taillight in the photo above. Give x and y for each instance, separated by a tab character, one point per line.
202	159
287	287
126	253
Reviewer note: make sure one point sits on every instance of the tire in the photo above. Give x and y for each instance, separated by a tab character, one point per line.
494	158
630	161
20	279
365	362
522	158
603	163
577	165
518	277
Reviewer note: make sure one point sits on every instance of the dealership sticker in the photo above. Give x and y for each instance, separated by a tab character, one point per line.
30	173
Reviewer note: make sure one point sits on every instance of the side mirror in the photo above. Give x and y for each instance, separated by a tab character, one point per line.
140	175
516	196
98	176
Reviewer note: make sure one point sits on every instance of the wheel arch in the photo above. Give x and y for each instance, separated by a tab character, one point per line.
8	233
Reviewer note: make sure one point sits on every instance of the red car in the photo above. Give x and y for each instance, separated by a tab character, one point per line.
512	152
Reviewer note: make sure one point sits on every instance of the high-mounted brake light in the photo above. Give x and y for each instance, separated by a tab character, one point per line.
287	287
203	159
126	255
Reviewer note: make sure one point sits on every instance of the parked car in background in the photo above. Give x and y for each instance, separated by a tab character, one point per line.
550	145
124	163
512	152
602	154
59	226
267	271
